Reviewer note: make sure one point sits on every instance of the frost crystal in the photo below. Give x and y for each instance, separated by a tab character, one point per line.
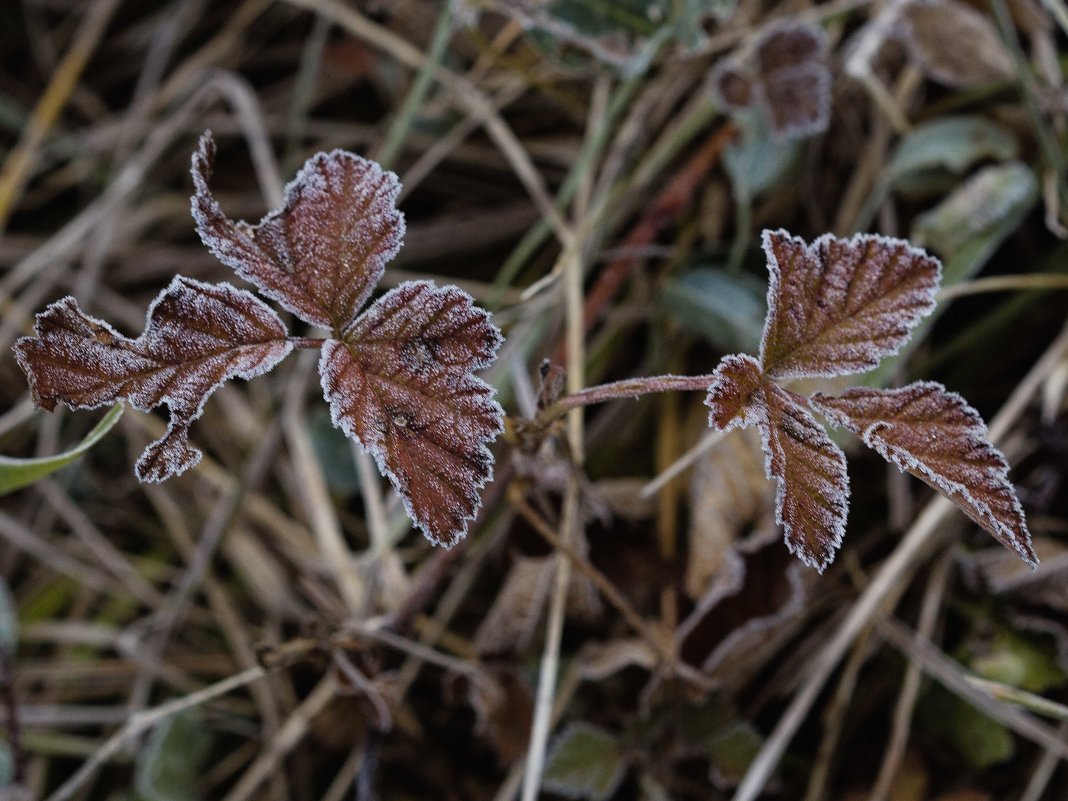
838	306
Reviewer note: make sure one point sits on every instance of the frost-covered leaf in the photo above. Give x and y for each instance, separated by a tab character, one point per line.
812	498
838	306
323	252
400	381
732	84
16	473
197	336
968	226
730	395
795	80
784	75
936	436
585	761
955	44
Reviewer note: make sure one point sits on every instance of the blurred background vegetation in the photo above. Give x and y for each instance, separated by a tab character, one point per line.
268	627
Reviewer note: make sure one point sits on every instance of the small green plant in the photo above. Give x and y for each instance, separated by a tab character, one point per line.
399	377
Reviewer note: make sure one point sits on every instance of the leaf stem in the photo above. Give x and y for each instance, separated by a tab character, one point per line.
627	388
306	343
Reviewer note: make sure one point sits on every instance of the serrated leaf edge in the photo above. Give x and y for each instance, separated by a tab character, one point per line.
775	274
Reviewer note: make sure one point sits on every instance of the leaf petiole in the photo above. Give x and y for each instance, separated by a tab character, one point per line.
619	390
306	343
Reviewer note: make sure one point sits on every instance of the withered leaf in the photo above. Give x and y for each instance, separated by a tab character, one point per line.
838	306
324	251
812	498
197	336
732	85
936	436
399	381
954	43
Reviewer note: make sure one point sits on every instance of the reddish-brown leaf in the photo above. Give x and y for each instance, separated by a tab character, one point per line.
812	500
736	379
935	435
795	80
812	497
732	85
838	306
400	381
324	251
197	336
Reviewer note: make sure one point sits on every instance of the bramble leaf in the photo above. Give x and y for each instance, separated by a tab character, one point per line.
399	381
838	306
812	498
323	252
795	79
730	395
197	336
936	436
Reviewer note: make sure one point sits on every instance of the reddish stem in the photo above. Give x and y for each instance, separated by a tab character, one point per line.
628	388
306	343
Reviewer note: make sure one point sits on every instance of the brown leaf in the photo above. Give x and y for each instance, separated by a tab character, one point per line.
731	502
197	336
324	251
400	382
955	44
795	80
812	500
937	437
732	85
736	379
838	306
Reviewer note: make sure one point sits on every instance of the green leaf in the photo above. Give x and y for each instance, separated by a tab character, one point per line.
18	473
1018	662
726	308
172	760
983	742
968	226
585	761
732	750
949	143
755	160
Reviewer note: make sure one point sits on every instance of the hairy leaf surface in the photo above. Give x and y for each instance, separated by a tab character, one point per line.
812	497
936	436
838	306
796	82
730	396
399	380
324	251
197	336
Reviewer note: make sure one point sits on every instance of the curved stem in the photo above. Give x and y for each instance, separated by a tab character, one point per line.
306	343
627	388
